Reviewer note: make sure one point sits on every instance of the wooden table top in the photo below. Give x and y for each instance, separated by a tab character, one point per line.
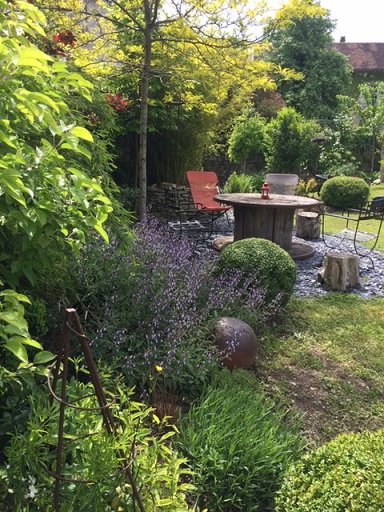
274	201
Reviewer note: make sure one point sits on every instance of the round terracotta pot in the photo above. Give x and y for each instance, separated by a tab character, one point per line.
236	342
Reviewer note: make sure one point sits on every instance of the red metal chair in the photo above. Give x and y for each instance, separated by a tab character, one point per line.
204	186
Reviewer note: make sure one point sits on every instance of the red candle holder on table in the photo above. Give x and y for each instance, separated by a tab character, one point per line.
265	191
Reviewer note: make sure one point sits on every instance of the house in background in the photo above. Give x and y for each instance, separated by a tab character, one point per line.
366	59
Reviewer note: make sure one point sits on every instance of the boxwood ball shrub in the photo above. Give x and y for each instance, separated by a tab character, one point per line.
345	192
344	475
275	269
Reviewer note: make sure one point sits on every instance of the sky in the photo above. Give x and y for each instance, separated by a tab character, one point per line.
359	22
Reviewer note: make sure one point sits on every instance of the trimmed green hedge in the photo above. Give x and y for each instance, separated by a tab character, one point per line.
274	268
345	192
345	475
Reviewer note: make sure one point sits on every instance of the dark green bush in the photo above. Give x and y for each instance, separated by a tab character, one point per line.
238	442
344	475
275	269
345	192
36	316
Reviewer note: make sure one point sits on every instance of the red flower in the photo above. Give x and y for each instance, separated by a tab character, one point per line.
65	38
117	102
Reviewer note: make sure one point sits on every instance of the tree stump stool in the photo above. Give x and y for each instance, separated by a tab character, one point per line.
340	271
308	225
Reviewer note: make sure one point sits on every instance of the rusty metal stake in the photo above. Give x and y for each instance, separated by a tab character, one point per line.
71	317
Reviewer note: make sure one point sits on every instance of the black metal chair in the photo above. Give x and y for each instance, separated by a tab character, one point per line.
180	210
374	210
320	180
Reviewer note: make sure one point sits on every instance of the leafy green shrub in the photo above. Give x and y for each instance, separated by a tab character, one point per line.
36	316
306	188
238	442
274	268
344	475
247	137
49	201
345	192
257	181
288	143
92	456
238	183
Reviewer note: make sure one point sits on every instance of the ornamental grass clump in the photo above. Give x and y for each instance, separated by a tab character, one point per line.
274	268
238	443
344	475
153	304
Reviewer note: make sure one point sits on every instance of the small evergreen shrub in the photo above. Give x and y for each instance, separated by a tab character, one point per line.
274	268
345	192
239	443
344	475
257	181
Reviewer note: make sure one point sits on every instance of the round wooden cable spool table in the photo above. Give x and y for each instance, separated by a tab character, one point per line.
271	219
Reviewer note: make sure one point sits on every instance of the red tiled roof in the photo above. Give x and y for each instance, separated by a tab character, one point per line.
363	57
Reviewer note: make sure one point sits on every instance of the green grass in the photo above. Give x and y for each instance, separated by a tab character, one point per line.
327	360
335	225
326	356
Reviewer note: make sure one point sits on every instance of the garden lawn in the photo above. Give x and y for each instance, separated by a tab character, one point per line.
335	225
326	359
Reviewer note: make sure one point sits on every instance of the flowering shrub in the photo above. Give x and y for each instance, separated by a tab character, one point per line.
156	305
60	44
65	38
117	102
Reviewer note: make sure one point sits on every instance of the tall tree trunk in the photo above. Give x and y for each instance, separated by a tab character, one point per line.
142	172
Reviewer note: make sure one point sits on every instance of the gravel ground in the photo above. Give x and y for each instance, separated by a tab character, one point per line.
307	284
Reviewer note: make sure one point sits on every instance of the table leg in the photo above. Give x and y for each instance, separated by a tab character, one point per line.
272	224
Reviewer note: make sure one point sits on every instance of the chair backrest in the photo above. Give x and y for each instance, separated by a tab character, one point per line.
376	206
282	183
204	186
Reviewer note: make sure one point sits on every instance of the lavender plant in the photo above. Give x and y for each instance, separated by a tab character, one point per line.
155	303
